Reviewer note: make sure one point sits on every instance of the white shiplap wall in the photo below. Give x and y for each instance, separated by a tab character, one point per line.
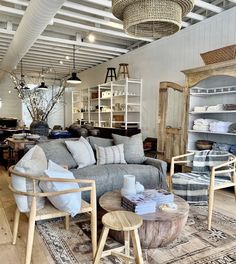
163	60
11	104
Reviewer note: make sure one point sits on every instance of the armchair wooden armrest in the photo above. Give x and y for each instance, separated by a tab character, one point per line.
227	167
176	160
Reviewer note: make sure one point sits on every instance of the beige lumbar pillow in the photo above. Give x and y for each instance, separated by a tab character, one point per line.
110	155
34	162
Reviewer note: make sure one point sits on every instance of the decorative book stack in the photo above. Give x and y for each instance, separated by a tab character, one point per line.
138	204
147	201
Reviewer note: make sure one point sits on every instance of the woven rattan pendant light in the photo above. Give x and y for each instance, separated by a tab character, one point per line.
151	18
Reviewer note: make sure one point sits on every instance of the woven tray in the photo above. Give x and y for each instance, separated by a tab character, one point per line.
219	55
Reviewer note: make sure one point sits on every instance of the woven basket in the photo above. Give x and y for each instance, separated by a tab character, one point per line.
147	19
219	55
204	144
151	18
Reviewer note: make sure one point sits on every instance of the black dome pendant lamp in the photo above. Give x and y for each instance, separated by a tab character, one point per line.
74	79
42	86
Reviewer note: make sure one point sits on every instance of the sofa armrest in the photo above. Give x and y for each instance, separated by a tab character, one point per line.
162	167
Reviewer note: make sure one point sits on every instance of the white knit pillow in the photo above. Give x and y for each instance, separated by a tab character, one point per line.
82	152
109	155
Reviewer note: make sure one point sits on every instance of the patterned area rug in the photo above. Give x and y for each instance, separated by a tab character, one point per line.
195	245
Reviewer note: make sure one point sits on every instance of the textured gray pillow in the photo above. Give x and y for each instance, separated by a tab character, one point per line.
101	142
133	147
56	151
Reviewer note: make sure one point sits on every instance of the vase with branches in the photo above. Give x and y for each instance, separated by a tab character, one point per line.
39	100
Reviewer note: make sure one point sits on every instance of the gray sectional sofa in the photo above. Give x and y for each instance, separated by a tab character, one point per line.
151	173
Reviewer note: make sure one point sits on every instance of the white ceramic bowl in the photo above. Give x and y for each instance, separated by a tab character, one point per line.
19	136
33	137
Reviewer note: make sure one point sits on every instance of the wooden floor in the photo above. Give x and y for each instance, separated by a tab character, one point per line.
14	254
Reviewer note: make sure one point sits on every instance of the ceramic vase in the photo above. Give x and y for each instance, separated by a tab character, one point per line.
129	186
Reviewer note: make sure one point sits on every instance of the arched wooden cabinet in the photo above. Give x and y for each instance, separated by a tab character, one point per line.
210	93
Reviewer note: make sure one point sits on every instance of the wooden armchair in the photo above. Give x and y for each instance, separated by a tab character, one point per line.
213	184
49	211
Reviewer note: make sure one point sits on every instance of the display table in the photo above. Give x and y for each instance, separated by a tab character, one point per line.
158	229
17	146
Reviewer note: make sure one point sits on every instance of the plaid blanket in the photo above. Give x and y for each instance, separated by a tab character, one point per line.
203	162
193	187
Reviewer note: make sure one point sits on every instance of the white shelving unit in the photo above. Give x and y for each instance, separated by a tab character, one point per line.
80	105
210	92
119	104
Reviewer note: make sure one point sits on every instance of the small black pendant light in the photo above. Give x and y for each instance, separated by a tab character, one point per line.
74	79
42	86
22	83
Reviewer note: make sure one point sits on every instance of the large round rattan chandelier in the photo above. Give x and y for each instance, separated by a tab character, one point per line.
151	18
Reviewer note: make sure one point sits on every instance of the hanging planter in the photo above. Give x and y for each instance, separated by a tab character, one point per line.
151	18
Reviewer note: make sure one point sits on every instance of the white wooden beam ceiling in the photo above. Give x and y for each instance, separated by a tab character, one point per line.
72	25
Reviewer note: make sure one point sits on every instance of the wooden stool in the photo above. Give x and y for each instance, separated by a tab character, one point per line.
123	69
111	73
127	222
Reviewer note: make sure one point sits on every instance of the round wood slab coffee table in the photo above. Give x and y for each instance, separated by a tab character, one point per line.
158	229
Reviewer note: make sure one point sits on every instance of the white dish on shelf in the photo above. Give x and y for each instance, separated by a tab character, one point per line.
33	137
19	136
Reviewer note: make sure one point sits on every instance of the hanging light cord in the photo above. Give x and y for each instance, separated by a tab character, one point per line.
74	58
21	69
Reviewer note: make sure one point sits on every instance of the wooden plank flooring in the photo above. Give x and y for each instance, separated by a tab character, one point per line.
14	254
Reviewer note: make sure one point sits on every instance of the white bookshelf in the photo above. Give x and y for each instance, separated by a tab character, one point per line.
210	92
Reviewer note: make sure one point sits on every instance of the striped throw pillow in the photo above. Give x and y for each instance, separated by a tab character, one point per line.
110	155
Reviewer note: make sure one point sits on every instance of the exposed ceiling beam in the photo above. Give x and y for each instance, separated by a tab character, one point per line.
96	29
90	10
59	57
105	3
83	44
72	42
65	50
90	19
195	16
88	50
43	64
54	62
208	6
185	24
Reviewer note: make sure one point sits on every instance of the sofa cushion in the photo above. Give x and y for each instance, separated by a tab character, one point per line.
70	202
101	142
82	152
34	162
57	151
110	155
133	147
110	177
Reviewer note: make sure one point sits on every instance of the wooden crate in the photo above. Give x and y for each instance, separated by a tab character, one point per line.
219	55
